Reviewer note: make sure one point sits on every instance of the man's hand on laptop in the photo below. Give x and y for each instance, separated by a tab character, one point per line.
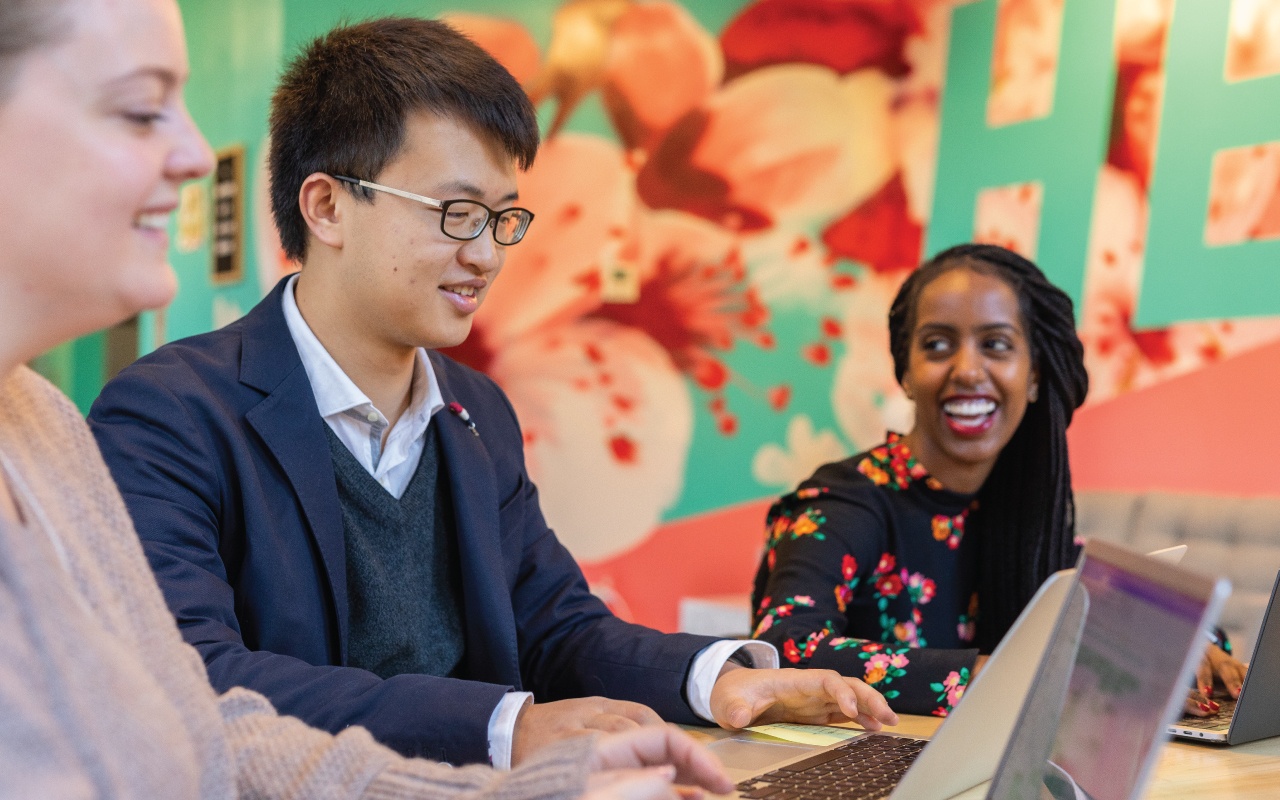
541	724
743	697
640	764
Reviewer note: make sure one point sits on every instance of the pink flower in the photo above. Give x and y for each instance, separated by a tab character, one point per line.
907	633
657	44
784	142
600	386
506	40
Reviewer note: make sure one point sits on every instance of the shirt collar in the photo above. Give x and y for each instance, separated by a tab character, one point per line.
335	392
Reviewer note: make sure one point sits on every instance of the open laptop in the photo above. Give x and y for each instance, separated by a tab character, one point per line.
1129	639
962	754
1256	713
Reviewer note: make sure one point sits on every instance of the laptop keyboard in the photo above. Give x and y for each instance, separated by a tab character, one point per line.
865	768
1220	721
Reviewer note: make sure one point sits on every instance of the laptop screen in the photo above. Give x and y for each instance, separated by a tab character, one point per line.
1110	681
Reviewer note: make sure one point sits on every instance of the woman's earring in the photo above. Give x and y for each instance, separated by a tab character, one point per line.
1033	393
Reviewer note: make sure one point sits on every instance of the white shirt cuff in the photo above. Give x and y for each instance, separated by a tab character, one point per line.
706	669
502	727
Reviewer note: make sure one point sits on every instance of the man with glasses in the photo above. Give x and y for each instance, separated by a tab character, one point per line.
339	516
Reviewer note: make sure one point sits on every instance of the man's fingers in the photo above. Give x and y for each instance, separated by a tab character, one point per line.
611	723
741	713
637	712
859	702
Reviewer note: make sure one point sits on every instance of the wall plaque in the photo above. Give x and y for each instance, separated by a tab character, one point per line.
228	215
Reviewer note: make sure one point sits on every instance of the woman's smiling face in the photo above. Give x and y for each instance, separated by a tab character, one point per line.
95	140
970	373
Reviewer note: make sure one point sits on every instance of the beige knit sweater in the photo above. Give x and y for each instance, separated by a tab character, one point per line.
99	695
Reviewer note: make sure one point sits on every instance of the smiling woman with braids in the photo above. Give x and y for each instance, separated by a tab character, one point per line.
903	564
900	565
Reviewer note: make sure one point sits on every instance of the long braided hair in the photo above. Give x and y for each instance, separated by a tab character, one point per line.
1025	520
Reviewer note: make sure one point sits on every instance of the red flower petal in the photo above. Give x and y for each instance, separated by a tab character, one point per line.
819	354
728	424
779	397
879	233
623	449
845	35
711	374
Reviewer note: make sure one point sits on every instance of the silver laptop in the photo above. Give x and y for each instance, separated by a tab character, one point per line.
1256	713
1128	641
963	753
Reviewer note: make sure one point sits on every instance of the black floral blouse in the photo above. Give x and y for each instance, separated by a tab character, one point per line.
867	571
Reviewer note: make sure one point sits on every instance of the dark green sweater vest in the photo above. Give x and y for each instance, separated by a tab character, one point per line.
403	582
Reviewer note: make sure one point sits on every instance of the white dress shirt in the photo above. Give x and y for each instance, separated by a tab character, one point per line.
360	427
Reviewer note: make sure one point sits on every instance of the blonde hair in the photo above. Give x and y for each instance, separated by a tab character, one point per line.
24	26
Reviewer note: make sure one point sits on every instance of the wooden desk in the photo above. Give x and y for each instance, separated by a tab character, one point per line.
1185	770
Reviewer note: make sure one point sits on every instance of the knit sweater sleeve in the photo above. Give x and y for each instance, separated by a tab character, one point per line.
281	757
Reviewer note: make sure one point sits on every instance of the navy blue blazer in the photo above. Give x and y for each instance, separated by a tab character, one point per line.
220	452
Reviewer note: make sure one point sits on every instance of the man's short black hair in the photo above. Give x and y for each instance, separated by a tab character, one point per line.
342	105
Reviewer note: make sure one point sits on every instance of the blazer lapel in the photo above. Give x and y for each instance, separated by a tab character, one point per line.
490	625
290	426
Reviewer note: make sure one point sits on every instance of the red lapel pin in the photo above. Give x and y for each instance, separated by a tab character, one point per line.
461	413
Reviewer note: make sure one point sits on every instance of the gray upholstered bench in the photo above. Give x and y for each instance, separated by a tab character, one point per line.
1234	537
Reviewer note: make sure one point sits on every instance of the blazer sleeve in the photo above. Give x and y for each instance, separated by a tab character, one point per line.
172	459
820	552
571	645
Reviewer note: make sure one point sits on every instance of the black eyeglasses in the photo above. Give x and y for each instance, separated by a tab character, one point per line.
464	219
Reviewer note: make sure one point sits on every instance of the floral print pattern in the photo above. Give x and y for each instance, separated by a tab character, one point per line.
883	664
768	615
950	690
875	579
893	466
844	591
782	524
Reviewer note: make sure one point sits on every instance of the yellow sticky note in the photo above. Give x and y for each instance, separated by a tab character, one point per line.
819	735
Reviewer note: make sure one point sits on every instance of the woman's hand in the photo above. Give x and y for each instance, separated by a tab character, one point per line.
642	763
1218	665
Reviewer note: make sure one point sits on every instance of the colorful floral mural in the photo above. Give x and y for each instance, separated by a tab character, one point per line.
697	318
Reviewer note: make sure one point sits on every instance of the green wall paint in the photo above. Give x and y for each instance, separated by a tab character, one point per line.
1183	279
235	48
76	368
1062	151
